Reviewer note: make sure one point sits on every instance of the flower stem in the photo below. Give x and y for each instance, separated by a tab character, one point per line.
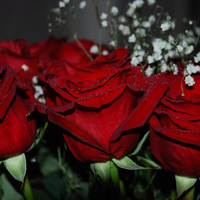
27	191
82	47
118	185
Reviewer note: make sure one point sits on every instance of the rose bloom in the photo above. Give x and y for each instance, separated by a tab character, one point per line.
101	105
17	130
17	54
175	128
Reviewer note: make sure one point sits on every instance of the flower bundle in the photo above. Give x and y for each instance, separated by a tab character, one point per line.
128	107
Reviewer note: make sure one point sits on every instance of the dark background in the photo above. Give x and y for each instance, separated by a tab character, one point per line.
27	19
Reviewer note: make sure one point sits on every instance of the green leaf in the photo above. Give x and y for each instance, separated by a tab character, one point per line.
41	194
127	163
103	170
47	162
9	191
183	184
54	184
16	166
140	144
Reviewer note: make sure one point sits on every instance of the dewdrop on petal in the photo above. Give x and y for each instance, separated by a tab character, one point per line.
189	81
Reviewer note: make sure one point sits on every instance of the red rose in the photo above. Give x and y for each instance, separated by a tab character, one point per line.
16	54
101	106
17	131
175	128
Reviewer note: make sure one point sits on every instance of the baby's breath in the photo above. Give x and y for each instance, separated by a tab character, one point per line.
82	4
165	26
189	80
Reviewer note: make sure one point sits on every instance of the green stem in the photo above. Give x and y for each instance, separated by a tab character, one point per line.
189	195
99	22
118	185
27	191
82	47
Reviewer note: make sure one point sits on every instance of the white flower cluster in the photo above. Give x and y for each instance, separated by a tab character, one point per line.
139	33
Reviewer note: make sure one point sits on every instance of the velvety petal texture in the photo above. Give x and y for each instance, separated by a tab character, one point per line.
17	129
100	106
175	128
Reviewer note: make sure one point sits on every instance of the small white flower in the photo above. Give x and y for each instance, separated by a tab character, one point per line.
122	19
149	71
165	26
151	2
150	59
130	12
163	67
103	16
135	60
82	4
94	49
136	4
61	4
189	81
189	49
170	54
157	56
174	68
114	10
136	23
104	52
191	69
152	19
66	1
171	39
140	53
126	30
197	58
141	32
132	38
35	80
113	43
120	27
25	67
104	23
173	25
179	48
38	91
146	24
